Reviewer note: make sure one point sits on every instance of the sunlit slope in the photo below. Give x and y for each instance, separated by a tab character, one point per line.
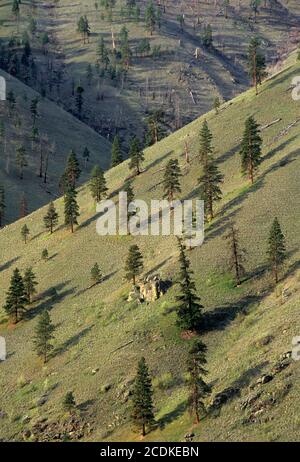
60	131
92	324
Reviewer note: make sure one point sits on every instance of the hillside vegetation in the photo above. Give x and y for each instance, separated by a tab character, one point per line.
99	336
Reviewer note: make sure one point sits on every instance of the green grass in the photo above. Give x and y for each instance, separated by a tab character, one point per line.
92	324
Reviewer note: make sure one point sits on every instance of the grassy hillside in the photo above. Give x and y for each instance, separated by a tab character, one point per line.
60	132
160	81
248	328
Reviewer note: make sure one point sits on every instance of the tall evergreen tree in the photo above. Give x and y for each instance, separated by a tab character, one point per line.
25	233
30	284
79	99
72	171
16	297
97	184
130	196
209	183
276	249
237	254
86	156
189	309
2	205
256	63
171	180
21	160
136	155
205	148
51	218
142	394
43	336
34	110
71	208
150	17
198	389
134	264
116	153
251	148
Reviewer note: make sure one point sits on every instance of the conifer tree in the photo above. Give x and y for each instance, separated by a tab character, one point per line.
25	233
150	17
130	196
142	393
276	249
136	155
97	184
116	154
251	148
45	254
198	389
23	206
96	275
217	104
237	254
51	218
171	180
72	171
86	156
205	148
16	298
11	103
209	183
30	284
79	99
256	63
71	208
34	110
43	336
189	310
21	160
69	403
134	264
2	205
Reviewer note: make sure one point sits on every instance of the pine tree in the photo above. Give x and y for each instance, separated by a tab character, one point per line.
209	182
150	17
97	184
189	310
51	218
21	160
254	5
136	155
15	9
72	171
86	156
205	148
116	154
96	275
16	299
207	36
171	180
23	206
25	233
30	284
237	254
79	99
198	389
256	63
34	110
251	148
43	336
69	403
45	254
217	104
71	208
2	205
142	393
134	264
89	74
276	249
130	196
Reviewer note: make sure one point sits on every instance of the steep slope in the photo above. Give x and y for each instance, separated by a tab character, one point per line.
162	77
59	131
100	336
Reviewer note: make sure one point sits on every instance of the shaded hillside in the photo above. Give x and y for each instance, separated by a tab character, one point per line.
58	133
100	336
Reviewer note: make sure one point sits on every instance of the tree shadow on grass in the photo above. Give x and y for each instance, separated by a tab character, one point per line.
104	279
72	341
172	415
51	297
8	264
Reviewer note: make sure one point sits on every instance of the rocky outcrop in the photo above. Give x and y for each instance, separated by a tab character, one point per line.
149	290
